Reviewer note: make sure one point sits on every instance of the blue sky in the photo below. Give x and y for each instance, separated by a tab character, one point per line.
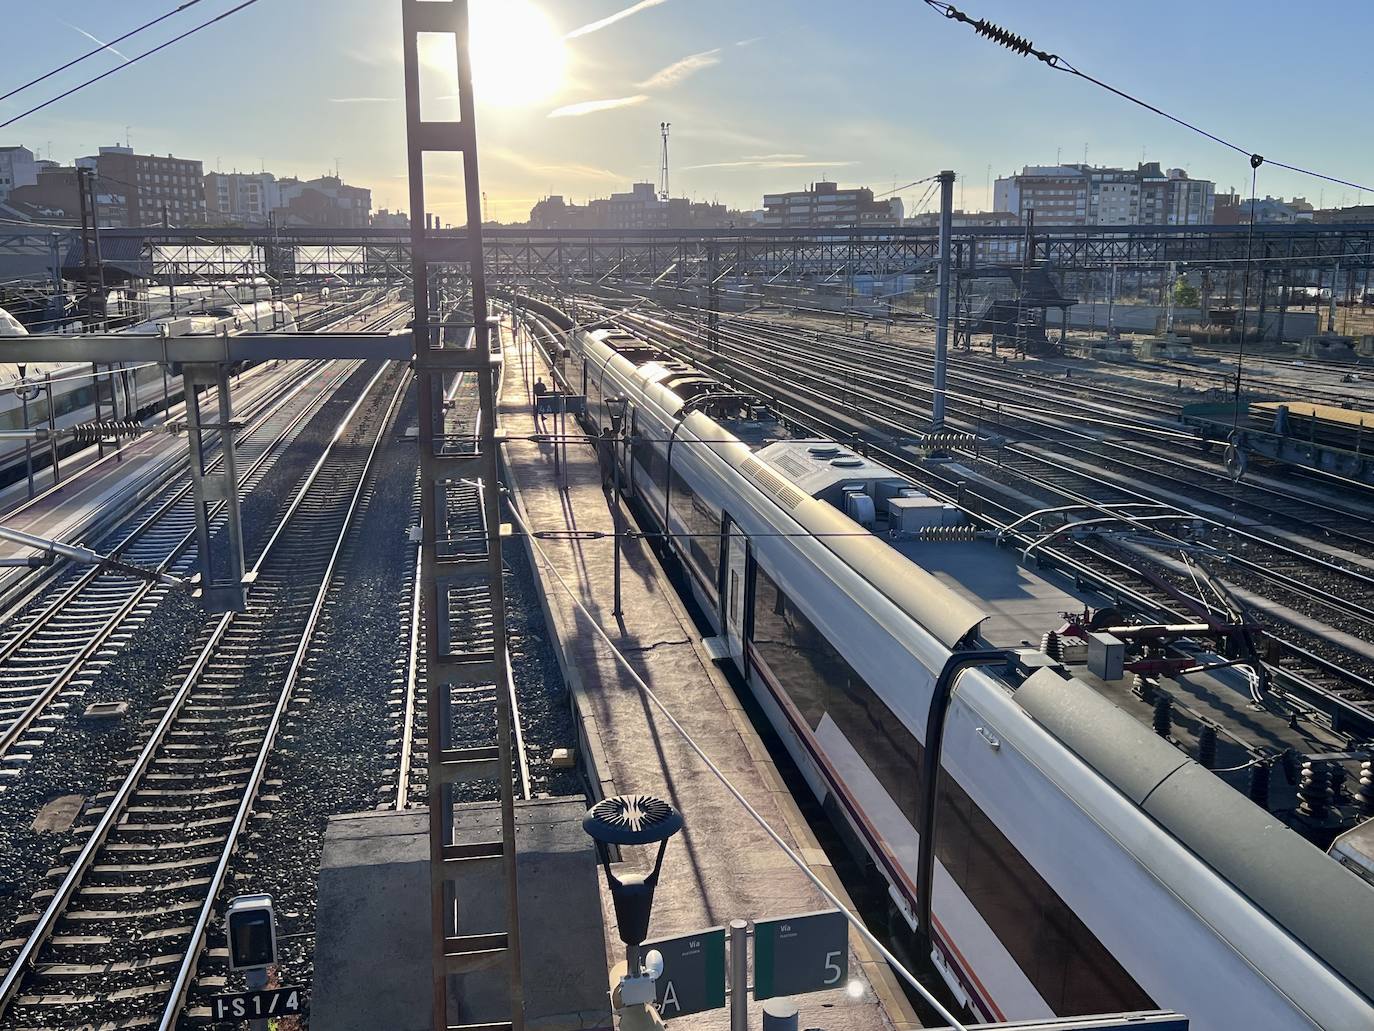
762	94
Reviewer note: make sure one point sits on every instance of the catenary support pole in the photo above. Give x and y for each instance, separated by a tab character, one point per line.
937	408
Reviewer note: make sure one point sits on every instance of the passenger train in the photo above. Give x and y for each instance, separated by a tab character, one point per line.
124	392
1055	855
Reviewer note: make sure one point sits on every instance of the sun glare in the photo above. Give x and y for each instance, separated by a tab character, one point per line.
517	54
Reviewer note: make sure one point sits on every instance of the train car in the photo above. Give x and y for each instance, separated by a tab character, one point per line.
1054	854
10	326
125	392
251	317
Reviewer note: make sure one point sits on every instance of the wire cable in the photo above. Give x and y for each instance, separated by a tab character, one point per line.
1024	47
99	49
725	781
130	61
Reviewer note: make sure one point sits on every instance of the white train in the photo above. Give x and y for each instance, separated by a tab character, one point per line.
124	392
1056	856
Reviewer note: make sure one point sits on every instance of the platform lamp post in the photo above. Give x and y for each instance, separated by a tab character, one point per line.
615	407
633	820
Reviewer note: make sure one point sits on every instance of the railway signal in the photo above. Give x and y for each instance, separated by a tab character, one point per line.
251	927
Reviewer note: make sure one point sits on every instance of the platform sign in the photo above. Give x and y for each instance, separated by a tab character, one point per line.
258	1005
693	977
799	954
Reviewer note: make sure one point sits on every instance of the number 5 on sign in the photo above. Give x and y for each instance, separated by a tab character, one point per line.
799	954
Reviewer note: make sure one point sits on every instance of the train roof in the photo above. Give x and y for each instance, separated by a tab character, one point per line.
982	585
9	371
958	582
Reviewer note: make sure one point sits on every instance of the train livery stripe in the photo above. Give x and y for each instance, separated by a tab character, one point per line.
1025	900
1006	914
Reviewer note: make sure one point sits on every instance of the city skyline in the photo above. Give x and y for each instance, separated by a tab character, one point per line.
570	96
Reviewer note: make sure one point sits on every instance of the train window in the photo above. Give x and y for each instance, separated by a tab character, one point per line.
1060	956
820	682
701	523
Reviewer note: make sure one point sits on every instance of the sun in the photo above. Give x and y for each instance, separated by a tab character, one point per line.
518	57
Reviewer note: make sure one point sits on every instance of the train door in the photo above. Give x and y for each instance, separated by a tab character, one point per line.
734	600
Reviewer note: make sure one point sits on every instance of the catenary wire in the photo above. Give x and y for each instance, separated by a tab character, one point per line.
99	49
1024	47
126	64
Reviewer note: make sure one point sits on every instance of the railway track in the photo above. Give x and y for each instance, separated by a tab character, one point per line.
474	706
890	425
1090	472
82	624
76	630
120	936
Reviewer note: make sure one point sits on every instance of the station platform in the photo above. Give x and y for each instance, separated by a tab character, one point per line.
722	866
372	951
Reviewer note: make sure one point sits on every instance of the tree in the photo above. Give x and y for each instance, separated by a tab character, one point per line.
1186	296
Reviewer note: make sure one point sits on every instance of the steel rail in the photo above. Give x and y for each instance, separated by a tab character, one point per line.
114	810
984	374
1315	594
15	730
172	1011
990	376
166	468
1321	698
408	710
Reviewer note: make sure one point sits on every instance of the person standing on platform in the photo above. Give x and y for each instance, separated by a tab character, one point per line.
605	456
540	389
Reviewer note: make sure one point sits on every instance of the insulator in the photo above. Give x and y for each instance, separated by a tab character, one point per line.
1002	36
1338	779
947	534
1364	794
1314	790
90	432
948	438
1049	644
1207	745
1144	689
1258	789
1292	762
1164	714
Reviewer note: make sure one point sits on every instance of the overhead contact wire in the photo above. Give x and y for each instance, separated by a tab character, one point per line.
130	61
103	47
1024	47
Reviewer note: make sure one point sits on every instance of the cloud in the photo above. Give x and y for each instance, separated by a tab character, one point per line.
679	70
772	157
588	107
748	42
364	100
764	163
724	135
597	26
101	42
568	170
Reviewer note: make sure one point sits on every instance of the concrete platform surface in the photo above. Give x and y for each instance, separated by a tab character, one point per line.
372	960
722	866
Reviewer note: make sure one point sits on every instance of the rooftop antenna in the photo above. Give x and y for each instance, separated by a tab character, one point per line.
663	128
486	211
126	137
